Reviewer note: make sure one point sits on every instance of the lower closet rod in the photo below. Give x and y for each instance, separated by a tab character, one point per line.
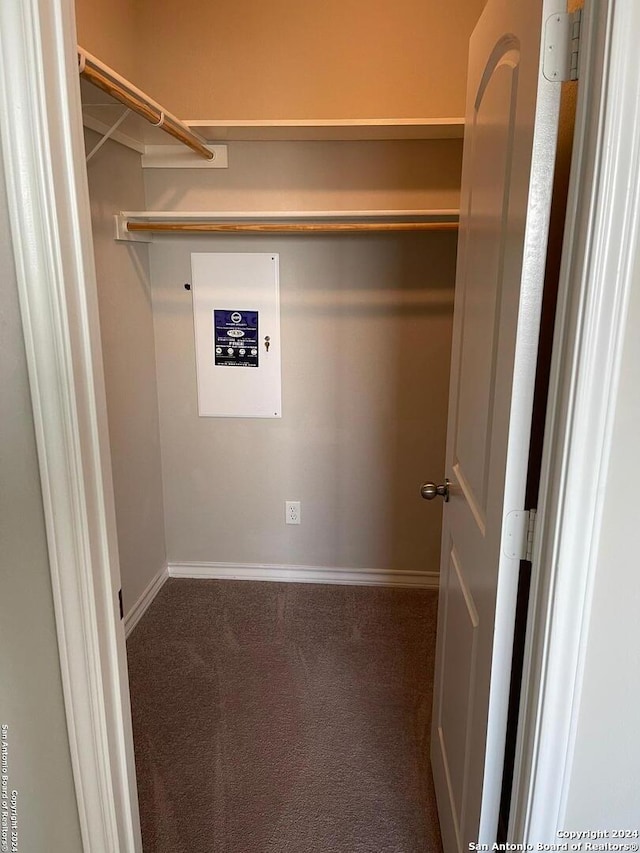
290	227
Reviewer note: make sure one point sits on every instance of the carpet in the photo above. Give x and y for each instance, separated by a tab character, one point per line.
284	718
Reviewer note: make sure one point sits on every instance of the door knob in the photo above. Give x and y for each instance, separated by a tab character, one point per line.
429	491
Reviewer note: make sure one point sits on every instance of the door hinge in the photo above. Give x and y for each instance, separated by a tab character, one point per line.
562	46
120	603
519	530
531	529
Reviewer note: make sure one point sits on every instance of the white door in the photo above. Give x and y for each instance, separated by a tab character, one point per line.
509	150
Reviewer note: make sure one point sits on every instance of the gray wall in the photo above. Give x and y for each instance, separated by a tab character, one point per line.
31	702
391	175
366	336
366	340
126	327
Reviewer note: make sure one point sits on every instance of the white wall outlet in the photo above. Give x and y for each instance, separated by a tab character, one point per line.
292	512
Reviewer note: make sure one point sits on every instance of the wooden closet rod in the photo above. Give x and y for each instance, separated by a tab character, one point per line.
289	227
122	90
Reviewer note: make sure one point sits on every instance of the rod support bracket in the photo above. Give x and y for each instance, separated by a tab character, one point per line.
123	235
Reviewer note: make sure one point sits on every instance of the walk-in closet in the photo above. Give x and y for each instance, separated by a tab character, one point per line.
319	371
275	201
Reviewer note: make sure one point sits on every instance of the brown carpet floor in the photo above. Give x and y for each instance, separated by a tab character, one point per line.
284	718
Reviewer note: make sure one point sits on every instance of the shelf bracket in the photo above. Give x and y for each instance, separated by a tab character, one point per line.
108	134
122	233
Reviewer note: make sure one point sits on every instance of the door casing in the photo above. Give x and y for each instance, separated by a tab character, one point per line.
602	233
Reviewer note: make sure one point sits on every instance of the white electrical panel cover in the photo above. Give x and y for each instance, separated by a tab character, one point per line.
236	313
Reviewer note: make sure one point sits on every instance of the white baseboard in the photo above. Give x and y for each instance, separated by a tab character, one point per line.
304	574
141	606
275	572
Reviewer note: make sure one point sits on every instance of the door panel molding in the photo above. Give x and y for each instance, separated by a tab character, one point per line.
506	50
461	607
470	281
441	768
470	499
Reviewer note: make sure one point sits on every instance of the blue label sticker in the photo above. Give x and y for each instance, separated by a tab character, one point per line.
235	341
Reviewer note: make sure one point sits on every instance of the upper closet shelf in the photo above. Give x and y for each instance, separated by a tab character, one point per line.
118	110
330	129
143	124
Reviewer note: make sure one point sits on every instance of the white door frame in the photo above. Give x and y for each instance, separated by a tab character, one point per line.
596	279
49	206
47	194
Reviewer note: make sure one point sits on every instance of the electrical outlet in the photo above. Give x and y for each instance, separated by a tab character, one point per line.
292	512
